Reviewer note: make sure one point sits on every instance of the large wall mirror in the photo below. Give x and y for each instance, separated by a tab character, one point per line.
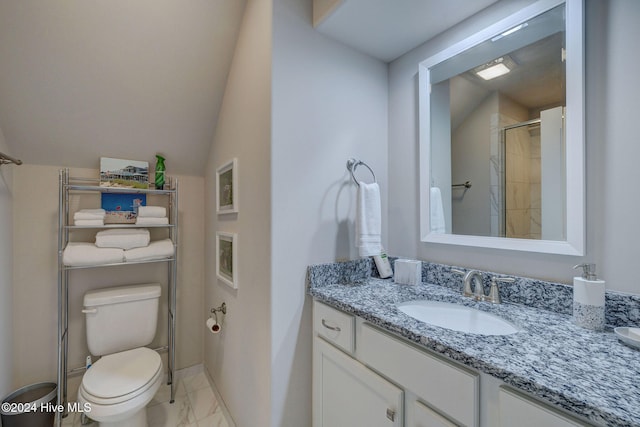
502	135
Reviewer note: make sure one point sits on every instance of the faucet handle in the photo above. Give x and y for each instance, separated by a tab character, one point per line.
466	284
494	293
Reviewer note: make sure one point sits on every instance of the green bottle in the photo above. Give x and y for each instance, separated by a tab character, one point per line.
159	172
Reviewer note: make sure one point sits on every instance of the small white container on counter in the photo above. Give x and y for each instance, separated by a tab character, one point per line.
588	299
407	272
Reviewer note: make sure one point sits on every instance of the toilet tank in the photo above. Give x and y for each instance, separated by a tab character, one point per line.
121	318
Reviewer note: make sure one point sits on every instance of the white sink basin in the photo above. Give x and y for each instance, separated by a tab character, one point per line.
457	317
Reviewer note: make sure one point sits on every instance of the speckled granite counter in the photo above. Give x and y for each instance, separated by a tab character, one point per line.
589	373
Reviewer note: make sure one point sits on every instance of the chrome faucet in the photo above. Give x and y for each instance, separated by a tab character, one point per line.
473	280
472	284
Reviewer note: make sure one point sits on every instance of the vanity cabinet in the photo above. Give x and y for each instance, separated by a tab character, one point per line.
345	392
355	383
366	376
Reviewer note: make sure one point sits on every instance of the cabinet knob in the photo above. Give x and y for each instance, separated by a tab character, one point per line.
391	414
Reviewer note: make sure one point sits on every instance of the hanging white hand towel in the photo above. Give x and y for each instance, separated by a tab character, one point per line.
437	212
368	220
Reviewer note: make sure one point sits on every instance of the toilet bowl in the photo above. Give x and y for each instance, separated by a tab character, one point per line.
119	386
121	322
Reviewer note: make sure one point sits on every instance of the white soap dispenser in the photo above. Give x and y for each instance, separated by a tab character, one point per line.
588	299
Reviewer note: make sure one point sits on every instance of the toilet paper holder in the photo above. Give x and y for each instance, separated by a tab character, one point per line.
222	309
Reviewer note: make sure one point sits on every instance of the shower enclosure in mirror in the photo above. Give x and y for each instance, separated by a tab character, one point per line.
502	112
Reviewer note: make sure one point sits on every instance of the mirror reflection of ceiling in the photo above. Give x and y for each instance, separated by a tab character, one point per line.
539	64
387	29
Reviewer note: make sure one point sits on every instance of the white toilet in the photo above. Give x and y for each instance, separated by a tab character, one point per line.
120	322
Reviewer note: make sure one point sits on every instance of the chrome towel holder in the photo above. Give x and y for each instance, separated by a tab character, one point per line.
352	164
6	159
466	185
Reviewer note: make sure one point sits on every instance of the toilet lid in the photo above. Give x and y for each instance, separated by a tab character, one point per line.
121	373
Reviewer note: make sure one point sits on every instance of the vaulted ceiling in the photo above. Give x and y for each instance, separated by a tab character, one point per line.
81	79
84	79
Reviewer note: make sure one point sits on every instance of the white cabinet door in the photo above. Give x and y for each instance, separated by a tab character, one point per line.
423	416
449	389
347	394
517	410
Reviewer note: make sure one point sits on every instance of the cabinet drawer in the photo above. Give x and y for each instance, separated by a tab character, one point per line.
445	387
334	326
518	410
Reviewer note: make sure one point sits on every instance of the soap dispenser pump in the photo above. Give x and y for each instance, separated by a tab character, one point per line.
588	298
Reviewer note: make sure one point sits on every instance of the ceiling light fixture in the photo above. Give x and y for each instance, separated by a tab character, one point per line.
496	68
493	71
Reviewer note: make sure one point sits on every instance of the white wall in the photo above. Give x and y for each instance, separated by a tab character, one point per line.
611	154
329	104
35	290
6	269
296	199
238	358
612	135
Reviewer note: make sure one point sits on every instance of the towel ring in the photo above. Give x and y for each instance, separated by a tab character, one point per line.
352	164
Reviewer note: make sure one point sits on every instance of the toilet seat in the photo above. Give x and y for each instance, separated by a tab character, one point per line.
120	377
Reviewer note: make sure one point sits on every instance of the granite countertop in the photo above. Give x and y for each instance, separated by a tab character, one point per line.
591	374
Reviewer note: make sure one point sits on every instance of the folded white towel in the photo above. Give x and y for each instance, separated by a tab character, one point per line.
89	214
82	253
156	250
89	222
368	220
152	211
123	238
437	211
152	221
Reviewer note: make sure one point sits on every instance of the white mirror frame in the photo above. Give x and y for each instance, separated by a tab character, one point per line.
575	169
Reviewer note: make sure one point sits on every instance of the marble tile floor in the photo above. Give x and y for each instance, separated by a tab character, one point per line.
196	405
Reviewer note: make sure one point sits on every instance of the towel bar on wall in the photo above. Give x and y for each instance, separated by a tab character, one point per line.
6	159
465	185
352	164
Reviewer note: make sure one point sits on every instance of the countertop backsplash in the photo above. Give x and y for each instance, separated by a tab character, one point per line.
621	309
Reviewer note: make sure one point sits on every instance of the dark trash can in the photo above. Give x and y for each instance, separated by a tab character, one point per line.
30	406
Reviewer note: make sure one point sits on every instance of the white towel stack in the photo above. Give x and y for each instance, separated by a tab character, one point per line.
89	217
152	215
119	245
156	250
82	253
123	238
85	254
